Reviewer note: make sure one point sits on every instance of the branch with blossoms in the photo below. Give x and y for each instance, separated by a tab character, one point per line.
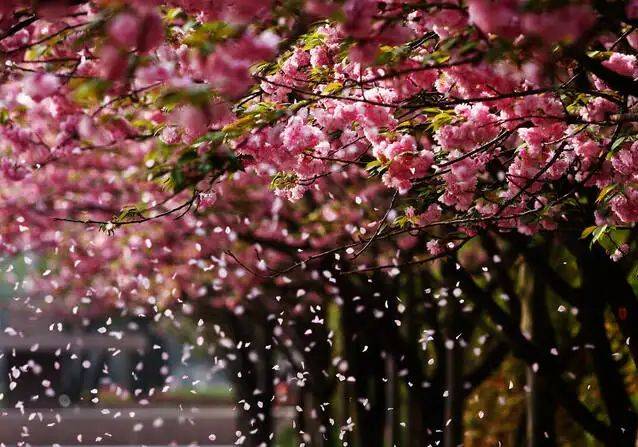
428	111
473	121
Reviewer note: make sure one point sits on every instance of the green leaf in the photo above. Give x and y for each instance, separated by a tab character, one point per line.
333	87
198	96
313	39
401	222
597	234
618	142
373	165
174	13
178	180
189	155
441	119
284	180
90	91
587	231
4	116
208	34
605	192
467	47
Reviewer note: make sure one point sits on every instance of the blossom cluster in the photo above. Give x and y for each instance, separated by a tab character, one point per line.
494	114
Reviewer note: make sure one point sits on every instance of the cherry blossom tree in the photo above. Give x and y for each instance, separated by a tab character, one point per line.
240	155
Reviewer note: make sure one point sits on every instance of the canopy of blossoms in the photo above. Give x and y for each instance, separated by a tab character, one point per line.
515	115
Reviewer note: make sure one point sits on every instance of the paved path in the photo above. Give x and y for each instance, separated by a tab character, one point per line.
120	426
144	427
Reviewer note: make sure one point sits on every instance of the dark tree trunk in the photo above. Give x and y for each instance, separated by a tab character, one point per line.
367	369
610	380
413	326
540	405
254	387
453	334
453	431
393	400
618	293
